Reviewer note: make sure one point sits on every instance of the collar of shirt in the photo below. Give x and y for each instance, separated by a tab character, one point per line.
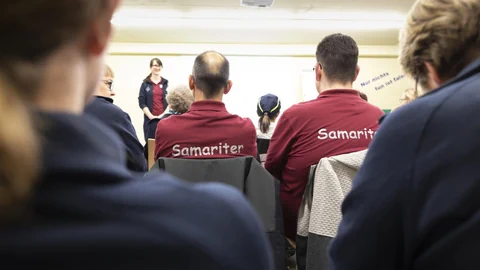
105	98
159	83
208	105
339	92
173	112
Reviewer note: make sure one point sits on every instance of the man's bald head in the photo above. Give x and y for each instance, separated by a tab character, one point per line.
211	71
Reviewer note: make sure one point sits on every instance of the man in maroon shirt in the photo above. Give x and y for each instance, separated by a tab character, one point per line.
337	122
207	130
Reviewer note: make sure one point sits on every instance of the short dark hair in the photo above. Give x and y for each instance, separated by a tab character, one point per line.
338	55
156	61
211	72
364	96
153	62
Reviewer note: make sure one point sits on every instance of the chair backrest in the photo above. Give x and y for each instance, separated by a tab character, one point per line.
333	181
151	152
320	213
243	173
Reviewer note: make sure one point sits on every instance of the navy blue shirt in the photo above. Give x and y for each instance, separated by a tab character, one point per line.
415	202
90	212
118	120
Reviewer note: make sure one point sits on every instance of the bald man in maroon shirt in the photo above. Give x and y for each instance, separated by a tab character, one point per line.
207	130
339	121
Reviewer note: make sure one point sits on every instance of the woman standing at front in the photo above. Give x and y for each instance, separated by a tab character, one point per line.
152	98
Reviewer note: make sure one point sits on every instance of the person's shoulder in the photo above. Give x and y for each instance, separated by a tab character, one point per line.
236	117
157	215
166	191
456	94
96	101
171	126
406	119
451	102
293	112
456	107
145	84
443	123
115	112
244	122
231	221
373	109
172	120
411	120
102	106
300	108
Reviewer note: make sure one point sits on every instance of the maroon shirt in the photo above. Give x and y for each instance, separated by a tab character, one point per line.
157	104
337	122
206	131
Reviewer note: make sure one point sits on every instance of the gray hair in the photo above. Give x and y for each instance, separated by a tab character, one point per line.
180	98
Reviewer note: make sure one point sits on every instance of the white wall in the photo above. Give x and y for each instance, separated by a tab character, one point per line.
284	70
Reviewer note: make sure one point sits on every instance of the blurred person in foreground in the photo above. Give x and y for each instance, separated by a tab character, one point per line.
67	199
414	203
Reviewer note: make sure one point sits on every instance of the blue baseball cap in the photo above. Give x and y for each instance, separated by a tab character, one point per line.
268	104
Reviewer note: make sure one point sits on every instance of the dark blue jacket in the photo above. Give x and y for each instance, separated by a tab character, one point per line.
415	202
90	212
112	116
145	99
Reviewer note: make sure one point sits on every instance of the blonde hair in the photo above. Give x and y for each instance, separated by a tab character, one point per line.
55	24
410	94
109	72
180	98
444	33
18	152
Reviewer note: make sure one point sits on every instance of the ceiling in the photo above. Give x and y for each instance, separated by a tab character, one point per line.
370	22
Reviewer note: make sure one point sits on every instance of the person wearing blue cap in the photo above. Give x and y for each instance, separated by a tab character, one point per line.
268	109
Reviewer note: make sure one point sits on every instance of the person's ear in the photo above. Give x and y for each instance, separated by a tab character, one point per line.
228	88
318	72
100	30
191	82
434	80
357	71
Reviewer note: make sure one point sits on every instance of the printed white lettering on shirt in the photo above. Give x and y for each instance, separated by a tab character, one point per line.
195	151
324	134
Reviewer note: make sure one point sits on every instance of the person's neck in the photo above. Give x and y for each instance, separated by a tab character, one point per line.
332	86
63	85
155	78
199	96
